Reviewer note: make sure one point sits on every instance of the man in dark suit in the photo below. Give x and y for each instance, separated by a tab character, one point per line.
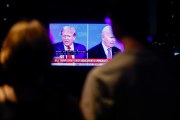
106	48
68	48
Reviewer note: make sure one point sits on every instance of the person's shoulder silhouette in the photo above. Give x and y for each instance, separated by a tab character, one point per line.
26	59
136	84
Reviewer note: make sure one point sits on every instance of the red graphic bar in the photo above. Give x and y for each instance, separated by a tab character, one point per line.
61	60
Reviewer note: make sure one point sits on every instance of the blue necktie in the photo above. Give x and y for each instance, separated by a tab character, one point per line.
109	55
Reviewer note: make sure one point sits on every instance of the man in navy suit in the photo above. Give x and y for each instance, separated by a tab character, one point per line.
68	48
106	48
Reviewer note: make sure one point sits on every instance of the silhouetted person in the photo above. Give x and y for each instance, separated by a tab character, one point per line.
27	94
137	84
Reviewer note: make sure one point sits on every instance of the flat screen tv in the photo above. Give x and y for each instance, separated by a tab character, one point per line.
80	38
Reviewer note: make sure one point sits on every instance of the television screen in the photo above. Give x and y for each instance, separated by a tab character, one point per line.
82	44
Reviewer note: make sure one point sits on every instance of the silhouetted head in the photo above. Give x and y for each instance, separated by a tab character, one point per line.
129	18
26	49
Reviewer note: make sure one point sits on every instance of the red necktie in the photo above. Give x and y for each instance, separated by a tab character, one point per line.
69	56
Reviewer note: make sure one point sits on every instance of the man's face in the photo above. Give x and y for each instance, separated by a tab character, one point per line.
108	39
68	37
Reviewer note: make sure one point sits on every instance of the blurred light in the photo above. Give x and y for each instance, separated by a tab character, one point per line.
107	20
150	38
4	19
7	5
176	53
51	38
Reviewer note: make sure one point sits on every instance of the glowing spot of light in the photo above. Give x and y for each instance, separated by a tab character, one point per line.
107	20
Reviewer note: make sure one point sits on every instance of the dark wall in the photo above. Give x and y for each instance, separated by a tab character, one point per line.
48	11
71	78
168	26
